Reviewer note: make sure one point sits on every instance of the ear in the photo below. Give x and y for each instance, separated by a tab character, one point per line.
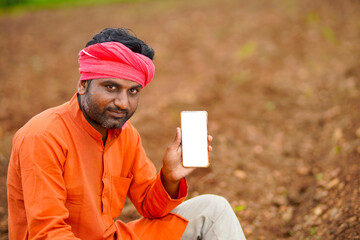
82	87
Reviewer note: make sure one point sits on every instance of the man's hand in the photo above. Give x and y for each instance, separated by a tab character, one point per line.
173	170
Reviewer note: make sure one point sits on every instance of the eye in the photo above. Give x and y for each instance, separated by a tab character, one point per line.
111	87
133	91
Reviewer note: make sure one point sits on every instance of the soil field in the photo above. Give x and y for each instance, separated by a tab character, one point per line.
280	80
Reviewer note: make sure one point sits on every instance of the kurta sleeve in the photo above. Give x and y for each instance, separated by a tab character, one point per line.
147	191
41	159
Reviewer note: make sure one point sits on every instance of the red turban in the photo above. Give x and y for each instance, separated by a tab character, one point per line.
115	60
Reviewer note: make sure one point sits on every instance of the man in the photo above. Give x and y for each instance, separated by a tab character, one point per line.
72	166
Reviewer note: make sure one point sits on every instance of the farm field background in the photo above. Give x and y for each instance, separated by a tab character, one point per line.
280	80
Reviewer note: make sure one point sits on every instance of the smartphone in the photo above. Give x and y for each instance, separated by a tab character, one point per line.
194	139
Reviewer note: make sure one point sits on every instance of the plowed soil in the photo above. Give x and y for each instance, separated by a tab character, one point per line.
280	80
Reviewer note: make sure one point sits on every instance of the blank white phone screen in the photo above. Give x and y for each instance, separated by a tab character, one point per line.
194	139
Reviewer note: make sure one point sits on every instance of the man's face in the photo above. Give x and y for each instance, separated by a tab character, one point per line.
109	103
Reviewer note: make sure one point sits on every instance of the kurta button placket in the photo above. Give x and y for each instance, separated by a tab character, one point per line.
106	178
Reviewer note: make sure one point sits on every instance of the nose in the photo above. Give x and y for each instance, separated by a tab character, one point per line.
122	100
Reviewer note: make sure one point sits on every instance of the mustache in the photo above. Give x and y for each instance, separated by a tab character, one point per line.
118	109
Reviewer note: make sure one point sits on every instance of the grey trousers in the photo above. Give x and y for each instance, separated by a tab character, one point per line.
210	218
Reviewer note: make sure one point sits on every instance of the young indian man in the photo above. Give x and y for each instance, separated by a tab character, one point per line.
72	166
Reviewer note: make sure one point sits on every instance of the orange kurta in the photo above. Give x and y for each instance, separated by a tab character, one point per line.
63	183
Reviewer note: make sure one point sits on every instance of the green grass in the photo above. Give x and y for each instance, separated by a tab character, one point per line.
24	5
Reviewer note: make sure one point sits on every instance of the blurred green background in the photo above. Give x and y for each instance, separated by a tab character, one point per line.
38	4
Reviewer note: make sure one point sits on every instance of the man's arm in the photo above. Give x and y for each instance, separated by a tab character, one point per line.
38	160
173	170
155	195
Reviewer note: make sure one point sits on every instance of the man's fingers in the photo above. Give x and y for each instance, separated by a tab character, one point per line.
210	138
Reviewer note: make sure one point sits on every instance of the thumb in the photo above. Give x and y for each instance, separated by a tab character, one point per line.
177	141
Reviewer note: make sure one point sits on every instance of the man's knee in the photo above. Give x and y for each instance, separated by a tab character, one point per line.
213	200
213	205
210	215
208	205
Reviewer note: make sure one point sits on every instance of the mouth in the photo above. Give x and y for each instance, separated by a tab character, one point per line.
117	114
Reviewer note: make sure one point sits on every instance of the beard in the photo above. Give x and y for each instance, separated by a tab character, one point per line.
102	117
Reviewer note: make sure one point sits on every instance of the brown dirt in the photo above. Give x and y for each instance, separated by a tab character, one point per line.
280	80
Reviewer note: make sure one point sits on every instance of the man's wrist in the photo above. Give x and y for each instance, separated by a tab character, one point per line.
171	186
166	176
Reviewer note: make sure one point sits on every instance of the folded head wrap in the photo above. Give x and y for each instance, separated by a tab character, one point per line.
115	60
